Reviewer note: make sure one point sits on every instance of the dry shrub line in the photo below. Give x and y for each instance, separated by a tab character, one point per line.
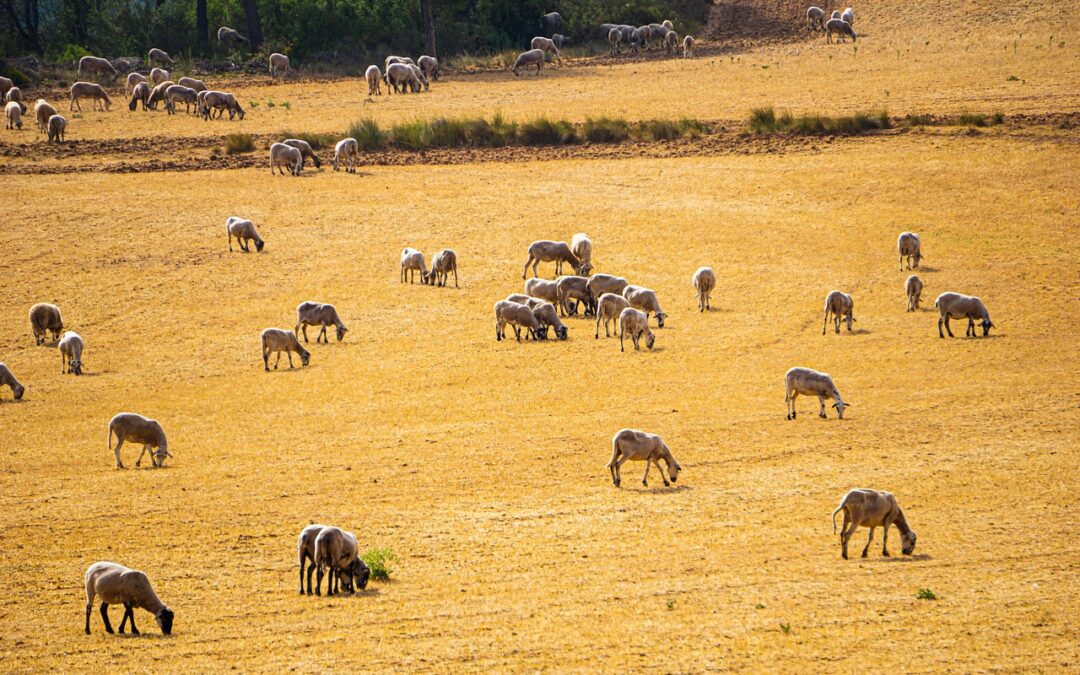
767	121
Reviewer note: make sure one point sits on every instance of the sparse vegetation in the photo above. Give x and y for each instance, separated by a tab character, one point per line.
368	135
237	143
766	121
671	604
785	628
926	594
606	130
379	562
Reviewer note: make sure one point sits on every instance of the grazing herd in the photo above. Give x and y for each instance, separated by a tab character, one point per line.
839	23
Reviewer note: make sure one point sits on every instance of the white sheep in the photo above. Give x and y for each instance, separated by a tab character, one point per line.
671	42
606	283
178	94
871	508
644	299
90	65
420	79
337	551
192	83
133	79
581	246
841	28
318	314
840	306
14	94
90	90
141	92
13	113
704	283
849	16
5	85
609	308
282	155
220	101
615	40
400	77
138	429
635	324
913	288
815	18
374	80
159	75
42	112
119	585
960	306
547	46
688	45
156	55
244	231
278	340
547	316
443	262
305	548
551	251
71	347
519	316
533	57
429	65
158	94
306	151
666	23
412	261
347	150
522	299
639	446
45	317
543	289
392	59
909	246
279	63
575	289
227	36
8	379
810	382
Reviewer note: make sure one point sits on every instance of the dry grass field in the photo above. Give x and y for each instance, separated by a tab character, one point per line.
482	464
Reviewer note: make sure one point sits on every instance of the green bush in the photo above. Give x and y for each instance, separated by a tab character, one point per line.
765	121
926	594
369	136
544	131
606	130
17	76
378	561
237	143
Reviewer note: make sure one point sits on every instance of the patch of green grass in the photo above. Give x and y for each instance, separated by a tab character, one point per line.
378	561
545	131
606	130
926	594
369	136
766	121
316	141
785	628
408	135
1012	78
666	130
237	143
445	132
671	604
759	606
763	121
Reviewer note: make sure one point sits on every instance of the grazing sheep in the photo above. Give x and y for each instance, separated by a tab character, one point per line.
228	36
356	572
305	151
841	306
282	155
639	37
138	429
348	150
45	318
318	314
913	290
615	40
400	77
835	14
811	383
13	112
666	23
815	18
279	63
6	378
159	75
909	246
547	316
560	40
192	83
141	92
635	324
529	58
159	56
158	94
412	261
119	585
14	95
581	246
605	283
220	101
547	251
71	348
645	300
444	262
338	552
849	16
93	65
429	65
574	288
420	77
244	231
391	60
704	283
280	340
177	94
543	289
608	309
659	33
519	316
89	90
5	85
522	299
873	509
42	113
960	306
841	28
688	45
551	21
547	46
133	80
374	80
57	127
671	42
638	446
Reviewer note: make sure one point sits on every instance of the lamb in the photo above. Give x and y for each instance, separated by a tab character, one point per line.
849	16
909	246
156	55
811	383
158	94
635	324
89	90
960	306
615	41
90	65
186	95
671	42
412	261
6	378
841	28
71	348
141	92
348	150
13	113
606	283
543	289
373	76
913	290
279	63
282	155
305	151
638	446
444	262
45	317
533	57
519	316
281	340
645	300
192	83
318	314
666	23
704	283
547	46
119	585
841	306
42	113
429	65
608	309
873	509
138	429
133	80
547	316
574	288
401	75
815	18
305	546
159	75
226	36
220	101
548	251
244	231
688	45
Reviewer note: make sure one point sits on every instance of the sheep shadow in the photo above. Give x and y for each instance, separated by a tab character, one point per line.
922	268
7	401
640	489
861	331
904	559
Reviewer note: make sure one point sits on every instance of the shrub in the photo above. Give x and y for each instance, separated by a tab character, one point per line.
765	121
368	135
926	594
446	133
236	143
409	135
606	130
544	131
378	561
18	77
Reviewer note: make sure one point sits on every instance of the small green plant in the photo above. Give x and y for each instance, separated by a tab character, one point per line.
369	136
408	135
270	103
18	77
253	104
1012	78
666	130
766	121
759	606
763	121
237	143
785	628
671	604
378	561
286	105
926	594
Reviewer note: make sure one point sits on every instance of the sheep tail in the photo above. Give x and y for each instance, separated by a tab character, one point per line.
838	510
108	440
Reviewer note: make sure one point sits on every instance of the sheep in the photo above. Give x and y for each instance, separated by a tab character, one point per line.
519	316
444	262
873	509
429	65
960	306
71	348
574	288
634	445
177	93
133	80
157	93
156	55
159	75
244	231
279	63
90	90
305	545
13	112
666	23
615	41
810	382
141	92
815	18
89	65
635	324
192	83
638	38
704	283
605	283
337	551
841	306
14	95
913	291
226	36
374	80
119	585
560	40
608	309
688	45
671	42
529	58
348	150
45	317
6	378
220	101
402	75
551	21
543	289
658	32
835	14
412	261
280	340
282	155
42	112
318	314
581	246
391	60
841	28
645	300
138	429
5	85
547	251
421	79
305	151
849	16
909	246
522	299
547	316
547	46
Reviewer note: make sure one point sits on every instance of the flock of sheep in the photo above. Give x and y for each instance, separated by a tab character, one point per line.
839	23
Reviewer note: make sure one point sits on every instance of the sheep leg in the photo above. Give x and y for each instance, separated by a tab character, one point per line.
870	539
884	539
145	448
303	329
645	478
598	326
289	354
821	400
618	469
661	472
610	465
825	322
517	332
302	561
322	335
622	348
318	582
311	569
266	360
89	606
949	330
116	451
105	617
124	619
277	361
455	277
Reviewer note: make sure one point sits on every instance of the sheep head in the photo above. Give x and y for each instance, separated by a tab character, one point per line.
908	542
650	340
840	405
660	316
341	330
18	390
164	619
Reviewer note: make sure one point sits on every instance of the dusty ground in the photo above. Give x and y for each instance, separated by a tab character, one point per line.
482	464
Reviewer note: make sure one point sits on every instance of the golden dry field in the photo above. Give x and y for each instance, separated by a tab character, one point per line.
482	463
